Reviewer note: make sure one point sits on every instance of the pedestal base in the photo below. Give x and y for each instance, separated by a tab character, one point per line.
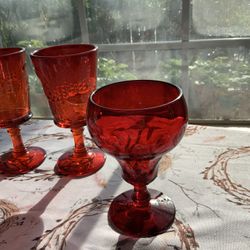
127	218
70	165
14	165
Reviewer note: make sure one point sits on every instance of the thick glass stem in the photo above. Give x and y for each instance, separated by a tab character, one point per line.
80	148
141	196
18	146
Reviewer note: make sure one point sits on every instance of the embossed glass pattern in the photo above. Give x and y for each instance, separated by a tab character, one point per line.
15	110
68	76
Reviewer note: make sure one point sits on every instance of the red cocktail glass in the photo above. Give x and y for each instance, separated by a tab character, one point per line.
15	110
68	76
137	122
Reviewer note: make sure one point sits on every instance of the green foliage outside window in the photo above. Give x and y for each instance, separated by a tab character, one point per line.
31	43
218	85
110	71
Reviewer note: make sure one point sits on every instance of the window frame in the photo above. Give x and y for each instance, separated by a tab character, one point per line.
184	45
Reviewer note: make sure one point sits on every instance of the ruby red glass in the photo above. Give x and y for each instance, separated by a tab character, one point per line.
137	122
15	110
68	76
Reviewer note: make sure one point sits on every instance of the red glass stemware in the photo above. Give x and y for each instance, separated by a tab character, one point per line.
15	110
137	122
68	76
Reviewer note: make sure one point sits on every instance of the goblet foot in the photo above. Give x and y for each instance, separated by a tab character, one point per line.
69	164
127	218
11	164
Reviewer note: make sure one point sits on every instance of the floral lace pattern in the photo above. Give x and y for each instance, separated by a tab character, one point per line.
206	175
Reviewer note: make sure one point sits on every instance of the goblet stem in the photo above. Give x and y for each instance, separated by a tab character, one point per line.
141	196
18	146
79	149
79	162
20	159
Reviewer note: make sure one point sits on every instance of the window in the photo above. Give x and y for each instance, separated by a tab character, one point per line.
202	46
220	18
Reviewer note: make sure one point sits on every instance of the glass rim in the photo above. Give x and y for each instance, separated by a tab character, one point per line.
92	48
179	96
12	51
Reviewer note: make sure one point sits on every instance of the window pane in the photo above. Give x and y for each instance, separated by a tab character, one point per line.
37	23
119	21
220	18
161	65
216	82
219	84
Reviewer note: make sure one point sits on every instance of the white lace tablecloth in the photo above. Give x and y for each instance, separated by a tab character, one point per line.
207	176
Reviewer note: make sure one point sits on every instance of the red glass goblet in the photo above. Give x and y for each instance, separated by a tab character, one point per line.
137	122
68	76
15	110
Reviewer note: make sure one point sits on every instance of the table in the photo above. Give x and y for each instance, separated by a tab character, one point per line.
207	176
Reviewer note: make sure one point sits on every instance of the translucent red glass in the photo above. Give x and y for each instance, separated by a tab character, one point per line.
68	76
137	122
15	110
